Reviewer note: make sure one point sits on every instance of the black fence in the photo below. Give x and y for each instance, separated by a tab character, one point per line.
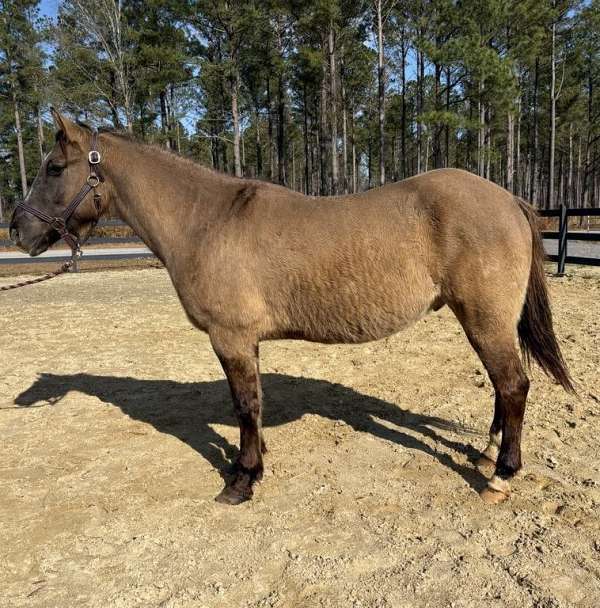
94	240
564	236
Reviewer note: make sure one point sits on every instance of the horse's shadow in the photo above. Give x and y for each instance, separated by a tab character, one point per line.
187	411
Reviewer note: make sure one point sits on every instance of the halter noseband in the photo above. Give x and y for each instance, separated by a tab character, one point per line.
59	223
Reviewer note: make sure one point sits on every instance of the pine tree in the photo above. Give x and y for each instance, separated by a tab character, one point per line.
20	68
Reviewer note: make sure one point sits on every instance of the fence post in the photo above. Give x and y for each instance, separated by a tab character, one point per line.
563	229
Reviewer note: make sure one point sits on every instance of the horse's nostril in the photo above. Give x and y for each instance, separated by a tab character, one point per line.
14	235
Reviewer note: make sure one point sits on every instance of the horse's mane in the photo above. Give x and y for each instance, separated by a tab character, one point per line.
121	133
156	148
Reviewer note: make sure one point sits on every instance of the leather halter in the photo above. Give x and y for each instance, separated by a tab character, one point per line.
59	223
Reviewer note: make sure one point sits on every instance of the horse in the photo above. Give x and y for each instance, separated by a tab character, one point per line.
254	261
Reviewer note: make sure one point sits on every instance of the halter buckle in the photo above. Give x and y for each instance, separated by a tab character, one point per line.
93	180
59	224
94	157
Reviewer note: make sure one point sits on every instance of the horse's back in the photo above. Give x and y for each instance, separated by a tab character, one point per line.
356	268
360	267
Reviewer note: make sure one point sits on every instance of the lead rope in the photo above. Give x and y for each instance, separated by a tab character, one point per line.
64	268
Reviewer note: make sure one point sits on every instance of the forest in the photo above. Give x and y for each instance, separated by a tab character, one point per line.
323	96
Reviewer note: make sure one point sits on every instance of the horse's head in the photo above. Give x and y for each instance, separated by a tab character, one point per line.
63	173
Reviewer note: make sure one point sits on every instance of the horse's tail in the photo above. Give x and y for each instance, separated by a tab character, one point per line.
536	332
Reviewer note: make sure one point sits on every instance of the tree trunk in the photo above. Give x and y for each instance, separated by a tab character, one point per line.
394	157
403	117
481	135
534	155
469	151
447	128
282	156
381	93
307	171
20	149
370	162
586	197
488	153
281	138
169	123
436	144
243	154
586	177
510	148
214	149
315	175
551	185
257	143
420	100
578	186
173	136
293	184
163	116
518	177
333	111
323	131
235	86
354	176
40	132
570	176
559	198
344	134
143	119
270	131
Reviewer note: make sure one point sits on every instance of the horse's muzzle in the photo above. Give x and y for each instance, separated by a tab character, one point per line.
32	246
15	235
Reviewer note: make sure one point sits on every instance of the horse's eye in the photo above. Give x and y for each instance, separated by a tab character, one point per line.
55	169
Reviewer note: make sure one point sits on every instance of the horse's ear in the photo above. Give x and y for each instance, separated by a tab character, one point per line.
67	128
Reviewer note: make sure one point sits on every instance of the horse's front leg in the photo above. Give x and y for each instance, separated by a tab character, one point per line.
239	357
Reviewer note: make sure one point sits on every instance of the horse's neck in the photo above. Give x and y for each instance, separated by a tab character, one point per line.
166	200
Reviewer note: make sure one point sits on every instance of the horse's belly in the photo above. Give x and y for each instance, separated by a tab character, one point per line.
356	317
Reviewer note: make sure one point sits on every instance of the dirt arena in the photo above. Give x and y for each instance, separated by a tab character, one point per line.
116	431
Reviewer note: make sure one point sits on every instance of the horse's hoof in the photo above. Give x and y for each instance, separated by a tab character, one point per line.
493	497
231	496
485	463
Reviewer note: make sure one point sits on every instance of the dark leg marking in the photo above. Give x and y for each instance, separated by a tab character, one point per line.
512	386
244	382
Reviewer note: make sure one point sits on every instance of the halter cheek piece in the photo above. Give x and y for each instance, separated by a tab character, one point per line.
59	223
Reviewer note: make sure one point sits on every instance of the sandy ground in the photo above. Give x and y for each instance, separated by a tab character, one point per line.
37	269
116	429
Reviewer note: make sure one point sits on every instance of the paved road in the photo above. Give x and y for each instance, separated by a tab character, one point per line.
575	248
95	240
121	253
586	249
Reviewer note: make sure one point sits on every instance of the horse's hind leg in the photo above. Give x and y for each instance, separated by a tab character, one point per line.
489	456
239	358
511	386
494	338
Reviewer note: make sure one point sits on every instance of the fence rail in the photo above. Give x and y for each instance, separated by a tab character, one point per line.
563	235
94	240
4	225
